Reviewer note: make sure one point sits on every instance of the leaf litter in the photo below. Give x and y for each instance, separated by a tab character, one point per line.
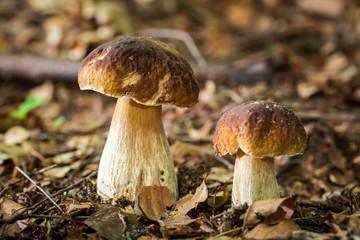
301	54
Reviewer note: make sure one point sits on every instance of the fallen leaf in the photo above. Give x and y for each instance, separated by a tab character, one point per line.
16	135
153	200
352	220
272	210
221	238
11	152
60	172
181	148
7	209
303	234
335	62
73	207
207	94
69	157
177	220
280	230
333	7
107	222
180	231
306	89
45	90
202	133
184	206
220	174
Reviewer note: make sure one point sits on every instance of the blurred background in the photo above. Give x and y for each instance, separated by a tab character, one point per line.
304	54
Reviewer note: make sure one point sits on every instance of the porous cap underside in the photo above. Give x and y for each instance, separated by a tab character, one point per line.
148	71
259	129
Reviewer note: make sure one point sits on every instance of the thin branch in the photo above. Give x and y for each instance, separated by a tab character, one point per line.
22	215
178	34
327	117
37	69
62	190
43	170
228	164
322	205
38	187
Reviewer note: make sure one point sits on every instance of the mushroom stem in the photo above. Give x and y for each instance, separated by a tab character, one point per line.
136	152
254	179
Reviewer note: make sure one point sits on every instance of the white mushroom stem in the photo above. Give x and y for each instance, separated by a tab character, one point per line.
254	179
136	152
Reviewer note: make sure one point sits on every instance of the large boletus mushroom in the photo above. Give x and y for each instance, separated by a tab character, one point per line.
256	132
143	74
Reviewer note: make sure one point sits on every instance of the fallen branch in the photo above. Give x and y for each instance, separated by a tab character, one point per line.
181	35
24	214
37	69
322	205
38	187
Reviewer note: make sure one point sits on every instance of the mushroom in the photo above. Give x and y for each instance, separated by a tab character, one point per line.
143	74
256	131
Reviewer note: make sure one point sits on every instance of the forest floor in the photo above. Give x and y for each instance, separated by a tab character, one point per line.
51	132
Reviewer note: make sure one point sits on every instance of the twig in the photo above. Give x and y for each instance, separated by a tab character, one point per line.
43	170
228	164
327	117
183	36
63	190
38	187
37	69
22	215
322	205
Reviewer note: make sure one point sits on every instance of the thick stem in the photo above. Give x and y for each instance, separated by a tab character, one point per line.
254	179
136	153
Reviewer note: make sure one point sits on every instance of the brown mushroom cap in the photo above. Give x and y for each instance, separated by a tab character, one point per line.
259	129
148	71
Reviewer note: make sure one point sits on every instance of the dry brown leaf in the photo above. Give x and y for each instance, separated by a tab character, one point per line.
183	207
221	238
181	231
60	172
69	157
7	208
333	7
177	220
44	90
220	174
272	210
73	207
303	234
181	148
16	135
153	200
202	133
110	223
336	62
12	152
307	89
350	220
207	94
280	230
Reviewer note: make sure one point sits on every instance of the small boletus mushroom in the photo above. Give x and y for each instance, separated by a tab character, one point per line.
143	74
256	131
